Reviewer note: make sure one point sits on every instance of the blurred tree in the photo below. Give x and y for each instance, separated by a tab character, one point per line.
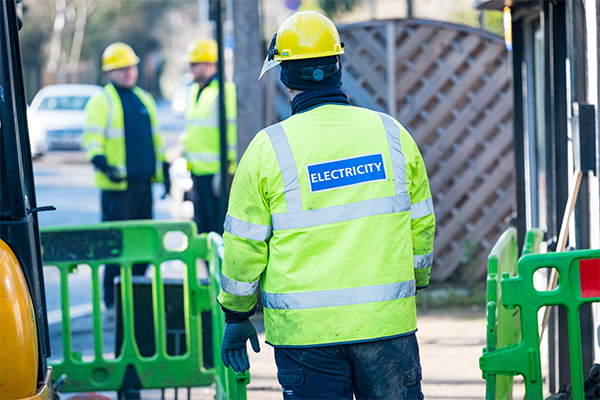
493	21
64	33
57	35
37	28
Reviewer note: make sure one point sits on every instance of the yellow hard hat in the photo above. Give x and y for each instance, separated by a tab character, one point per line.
306	34
201	51
118	55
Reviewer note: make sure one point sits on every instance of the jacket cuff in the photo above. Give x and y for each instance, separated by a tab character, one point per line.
236	317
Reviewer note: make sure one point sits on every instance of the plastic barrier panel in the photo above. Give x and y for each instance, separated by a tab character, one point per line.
503	326
126	243
574	289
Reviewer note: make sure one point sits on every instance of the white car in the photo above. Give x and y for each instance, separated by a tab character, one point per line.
37	135
60	109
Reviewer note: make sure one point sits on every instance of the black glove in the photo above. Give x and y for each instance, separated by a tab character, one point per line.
166	178
233	349
111	172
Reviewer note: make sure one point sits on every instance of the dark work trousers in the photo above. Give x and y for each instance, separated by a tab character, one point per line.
133	203
206	205
382	369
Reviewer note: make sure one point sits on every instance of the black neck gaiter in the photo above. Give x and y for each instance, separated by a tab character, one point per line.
312	98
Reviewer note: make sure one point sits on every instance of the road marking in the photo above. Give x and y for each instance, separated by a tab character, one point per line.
55	316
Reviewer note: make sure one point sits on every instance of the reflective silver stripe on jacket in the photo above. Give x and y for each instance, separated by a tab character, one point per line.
247	230
339	297
93	145
238	288
209	122
205	157
203	122
345	212
115	133
94	129
109	120
421	209
287	165
398	164
423	261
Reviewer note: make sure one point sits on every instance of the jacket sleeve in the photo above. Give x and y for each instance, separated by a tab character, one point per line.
96	121
422	222
247	231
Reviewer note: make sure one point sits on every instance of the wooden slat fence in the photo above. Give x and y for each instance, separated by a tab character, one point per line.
449	85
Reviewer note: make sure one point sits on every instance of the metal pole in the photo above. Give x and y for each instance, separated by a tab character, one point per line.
222	115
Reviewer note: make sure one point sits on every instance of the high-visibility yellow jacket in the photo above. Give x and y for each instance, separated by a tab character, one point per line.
331	212
104	134
201	139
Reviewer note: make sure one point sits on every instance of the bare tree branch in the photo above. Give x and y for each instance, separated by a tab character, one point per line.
56	43
82	14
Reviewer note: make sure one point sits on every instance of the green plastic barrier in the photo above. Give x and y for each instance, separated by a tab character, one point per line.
230	385
503	325
578	284
127	243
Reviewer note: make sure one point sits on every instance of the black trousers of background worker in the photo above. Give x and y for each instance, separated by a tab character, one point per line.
133	203
206	205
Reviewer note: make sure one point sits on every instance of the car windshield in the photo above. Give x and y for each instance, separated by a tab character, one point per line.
64	103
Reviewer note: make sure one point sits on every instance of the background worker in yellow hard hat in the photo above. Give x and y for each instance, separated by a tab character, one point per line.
122	139
331	212
201	138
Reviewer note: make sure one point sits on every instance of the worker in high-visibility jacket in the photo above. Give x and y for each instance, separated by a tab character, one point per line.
331	214
122	139
201	138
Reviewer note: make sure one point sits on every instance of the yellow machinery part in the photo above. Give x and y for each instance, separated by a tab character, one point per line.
18	334
46	389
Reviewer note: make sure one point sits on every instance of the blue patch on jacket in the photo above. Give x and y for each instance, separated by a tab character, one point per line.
347	172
